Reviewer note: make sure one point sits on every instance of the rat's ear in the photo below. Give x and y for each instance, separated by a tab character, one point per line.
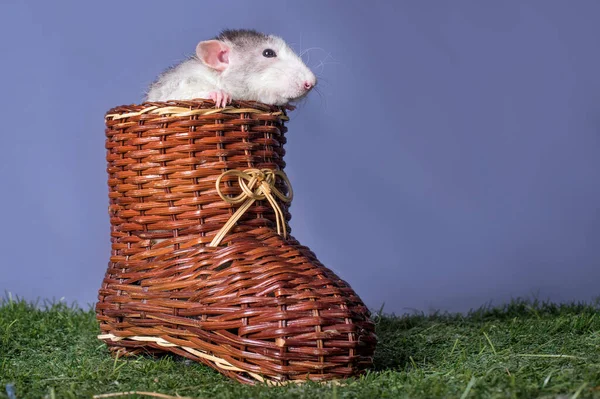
214	54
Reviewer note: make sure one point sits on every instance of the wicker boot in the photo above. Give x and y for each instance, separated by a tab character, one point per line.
202	264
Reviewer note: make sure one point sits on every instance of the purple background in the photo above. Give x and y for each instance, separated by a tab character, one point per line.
452	159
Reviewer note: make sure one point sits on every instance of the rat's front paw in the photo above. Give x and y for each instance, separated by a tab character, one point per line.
220	98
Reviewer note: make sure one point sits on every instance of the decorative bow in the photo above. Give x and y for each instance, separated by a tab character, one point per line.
256	185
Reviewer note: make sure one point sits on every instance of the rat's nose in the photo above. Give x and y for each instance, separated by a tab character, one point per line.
308	85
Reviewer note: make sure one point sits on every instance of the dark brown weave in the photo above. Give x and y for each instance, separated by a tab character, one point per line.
259	307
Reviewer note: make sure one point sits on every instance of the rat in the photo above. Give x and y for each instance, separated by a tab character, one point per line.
240	64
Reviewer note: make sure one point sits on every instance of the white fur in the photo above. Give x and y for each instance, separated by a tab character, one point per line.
249	75
190	79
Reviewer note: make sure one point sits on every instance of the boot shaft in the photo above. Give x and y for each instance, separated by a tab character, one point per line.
164	161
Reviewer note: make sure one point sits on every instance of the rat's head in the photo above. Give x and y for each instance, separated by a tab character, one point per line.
254	66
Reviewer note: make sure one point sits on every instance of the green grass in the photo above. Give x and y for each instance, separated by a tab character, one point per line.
522	350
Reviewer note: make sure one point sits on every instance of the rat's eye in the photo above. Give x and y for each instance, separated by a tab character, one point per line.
269	53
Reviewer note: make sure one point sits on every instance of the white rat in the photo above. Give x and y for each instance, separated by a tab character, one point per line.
237	65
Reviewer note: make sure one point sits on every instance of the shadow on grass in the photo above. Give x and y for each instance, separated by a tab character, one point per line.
406	341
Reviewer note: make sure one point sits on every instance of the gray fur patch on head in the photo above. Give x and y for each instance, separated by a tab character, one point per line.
242	37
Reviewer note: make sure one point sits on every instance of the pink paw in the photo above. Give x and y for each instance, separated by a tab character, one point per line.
220	98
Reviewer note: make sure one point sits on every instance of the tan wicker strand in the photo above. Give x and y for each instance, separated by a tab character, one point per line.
221	363
257	306
179	111
218	362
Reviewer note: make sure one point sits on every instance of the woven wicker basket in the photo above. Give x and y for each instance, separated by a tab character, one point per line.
253	304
